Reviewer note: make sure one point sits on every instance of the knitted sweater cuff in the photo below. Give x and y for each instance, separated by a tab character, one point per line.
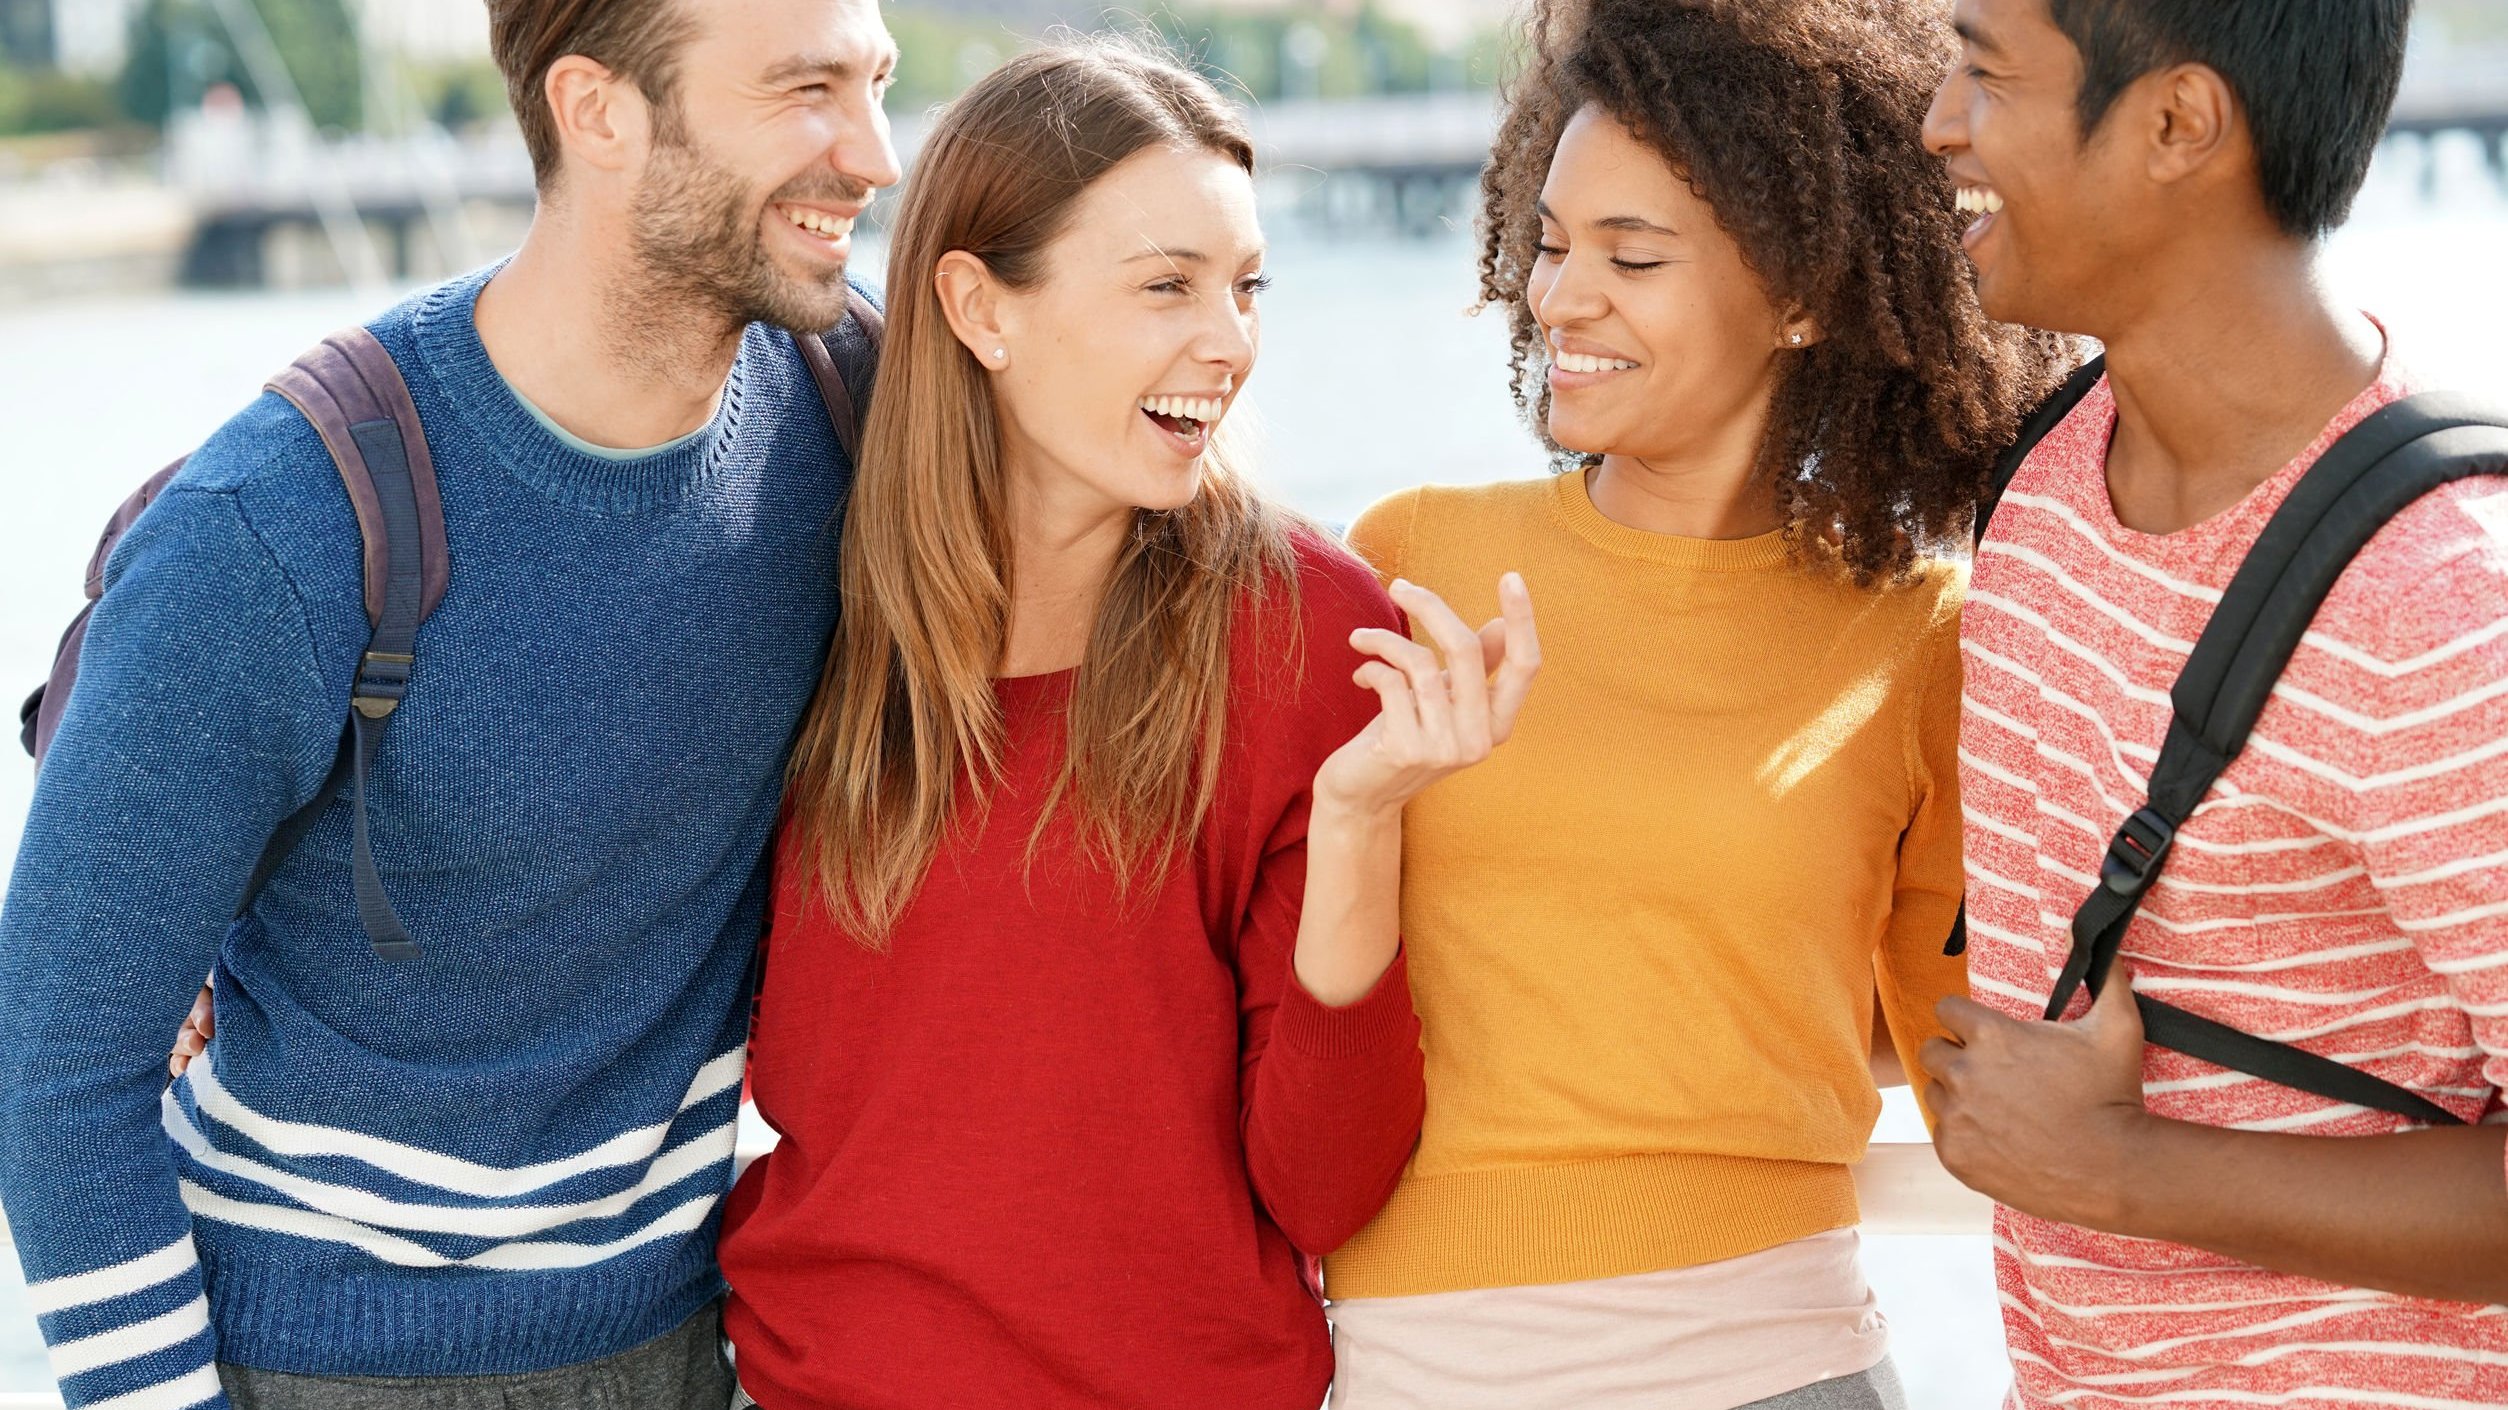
1380	1020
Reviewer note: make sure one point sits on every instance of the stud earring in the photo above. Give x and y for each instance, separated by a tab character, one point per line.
1794	340
1000	353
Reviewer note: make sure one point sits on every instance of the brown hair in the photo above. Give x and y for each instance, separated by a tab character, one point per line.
906	711
1799	122
639	40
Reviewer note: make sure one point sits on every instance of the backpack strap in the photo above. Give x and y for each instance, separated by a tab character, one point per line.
845	363
352	393
2037	427
2040	424
2392	459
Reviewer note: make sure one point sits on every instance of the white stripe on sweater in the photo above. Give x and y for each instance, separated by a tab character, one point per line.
122	1279
448	1172
72	1358
698	1153
190	1388
535	1256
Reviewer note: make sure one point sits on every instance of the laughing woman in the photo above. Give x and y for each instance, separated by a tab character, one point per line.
1083	1019
1646	940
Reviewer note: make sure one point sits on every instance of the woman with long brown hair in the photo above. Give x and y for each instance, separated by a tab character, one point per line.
1647	941
1084	1021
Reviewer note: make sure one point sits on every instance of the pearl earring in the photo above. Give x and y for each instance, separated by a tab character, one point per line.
1000	353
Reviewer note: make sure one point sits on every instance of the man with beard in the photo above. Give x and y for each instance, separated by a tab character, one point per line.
486	1173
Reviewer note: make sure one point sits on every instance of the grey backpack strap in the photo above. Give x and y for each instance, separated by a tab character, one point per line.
353	394
844	363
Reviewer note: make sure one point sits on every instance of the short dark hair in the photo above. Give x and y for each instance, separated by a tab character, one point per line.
2317	79
638	40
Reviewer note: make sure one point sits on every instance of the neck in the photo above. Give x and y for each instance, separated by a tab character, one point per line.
556	317
2230	368
1708	488
1062	551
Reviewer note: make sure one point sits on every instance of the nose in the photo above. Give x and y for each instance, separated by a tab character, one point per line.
862	152
1229	335
1570	296
1946	121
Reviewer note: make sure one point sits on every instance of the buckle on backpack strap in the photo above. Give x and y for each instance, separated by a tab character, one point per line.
2135	852
382	679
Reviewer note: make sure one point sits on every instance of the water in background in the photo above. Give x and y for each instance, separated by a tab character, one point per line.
1372	378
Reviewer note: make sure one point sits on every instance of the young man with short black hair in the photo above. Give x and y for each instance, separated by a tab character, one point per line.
2159	175
488	1175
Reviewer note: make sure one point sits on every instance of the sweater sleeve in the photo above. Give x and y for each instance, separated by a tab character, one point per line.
1382	535
198	721
1911	972
1332	1097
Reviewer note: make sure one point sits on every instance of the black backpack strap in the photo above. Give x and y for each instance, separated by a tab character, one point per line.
2041	424
2392	459
352	393
845	363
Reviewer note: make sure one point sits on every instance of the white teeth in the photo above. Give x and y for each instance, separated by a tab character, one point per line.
818	222
1580	362
1185	408
1976	200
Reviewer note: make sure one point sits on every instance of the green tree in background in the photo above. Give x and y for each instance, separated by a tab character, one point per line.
179	48
47	100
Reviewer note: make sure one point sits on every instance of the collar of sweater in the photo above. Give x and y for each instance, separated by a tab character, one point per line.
447	333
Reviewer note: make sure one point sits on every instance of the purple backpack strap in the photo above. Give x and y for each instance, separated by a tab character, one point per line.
845	362
352	393
40	717
344	385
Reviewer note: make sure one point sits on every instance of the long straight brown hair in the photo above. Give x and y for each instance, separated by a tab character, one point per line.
906	711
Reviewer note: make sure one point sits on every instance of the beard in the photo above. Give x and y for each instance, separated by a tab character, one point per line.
698	235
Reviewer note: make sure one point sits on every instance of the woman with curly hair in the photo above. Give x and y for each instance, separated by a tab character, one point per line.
1647	941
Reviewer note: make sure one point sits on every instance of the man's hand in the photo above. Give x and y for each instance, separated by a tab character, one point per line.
193	1039
2044	1117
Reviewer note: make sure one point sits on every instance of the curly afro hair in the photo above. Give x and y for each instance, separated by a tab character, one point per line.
1799	122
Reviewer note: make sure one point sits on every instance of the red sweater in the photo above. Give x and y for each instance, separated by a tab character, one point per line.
1045	1151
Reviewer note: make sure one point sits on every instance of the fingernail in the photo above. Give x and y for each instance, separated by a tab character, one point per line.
1400	583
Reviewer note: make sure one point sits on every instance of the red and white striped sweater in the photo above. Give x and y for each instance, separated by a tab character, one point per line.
2344	887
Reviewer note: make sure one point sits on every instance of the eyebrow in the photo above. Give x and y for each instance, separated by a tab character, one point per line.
1630	224
1976	36
803	65
1176	256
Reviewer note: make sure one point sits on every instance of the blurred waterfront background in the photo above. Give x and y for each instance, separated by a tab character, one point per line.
193	191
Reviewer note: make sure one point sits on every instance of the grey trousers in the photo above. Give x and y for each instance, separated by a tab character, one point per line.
1876	1389
679	1370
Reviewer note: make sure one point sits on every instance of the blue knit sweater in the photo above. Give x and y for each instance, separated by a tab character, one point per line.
505	1156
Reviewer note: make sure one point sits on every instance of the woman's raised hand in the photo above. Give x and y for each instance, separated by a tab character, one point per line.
1444	707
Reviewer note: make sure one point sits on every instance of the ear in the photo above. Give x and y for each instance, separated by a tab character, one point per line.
2193	122
1798	331
601	121
977	307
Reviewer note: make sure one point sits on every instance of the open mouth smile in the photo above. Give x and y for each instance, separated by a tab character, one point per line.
826	228
1985	204
1186	421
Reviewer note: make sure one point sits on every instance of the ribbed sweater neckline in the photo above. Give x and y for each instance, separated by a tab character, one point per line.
447	332
1574	502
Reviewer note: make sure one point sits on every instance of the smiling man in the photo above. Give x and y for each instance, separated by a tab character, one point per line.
2160	174
487	1174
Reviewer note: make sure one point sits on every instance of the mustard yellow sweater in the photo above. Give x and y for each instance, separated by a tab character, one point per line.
1645	937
